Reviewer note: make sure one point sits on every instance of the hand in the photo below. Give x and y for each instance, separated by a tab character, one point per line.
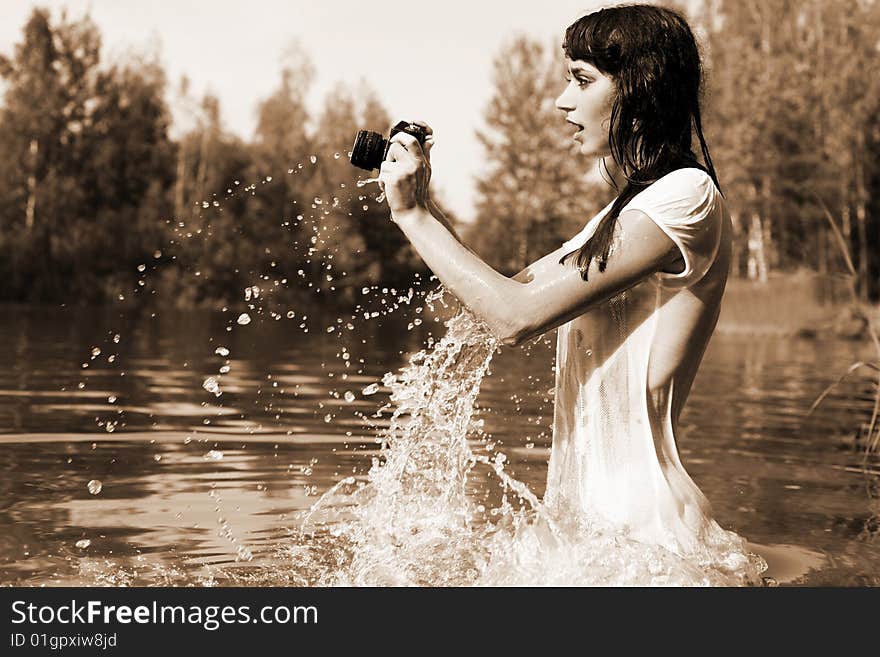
429	139
406	172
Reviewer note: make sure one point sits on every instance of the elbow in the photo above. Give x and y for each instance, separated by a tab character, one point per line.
516	332
514	322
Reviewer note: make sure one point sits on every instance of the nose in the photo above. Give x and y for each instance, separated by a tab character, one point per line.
564	102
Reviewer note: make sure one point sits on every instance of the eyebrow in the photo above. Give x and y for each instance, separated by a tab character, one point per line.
580	69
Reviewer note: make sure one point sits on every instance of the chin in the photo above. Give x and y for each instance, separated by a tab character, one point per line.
594	151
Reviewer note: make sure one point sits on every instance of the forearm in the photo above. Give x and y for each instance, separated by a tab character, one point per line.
437	213
491	296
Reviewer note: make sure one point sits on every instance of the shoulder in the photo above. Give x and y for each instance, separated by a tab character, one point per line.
683	195
687	182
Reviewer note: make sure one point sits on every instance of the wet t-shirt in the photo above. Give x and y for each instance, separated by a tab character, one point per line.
623	373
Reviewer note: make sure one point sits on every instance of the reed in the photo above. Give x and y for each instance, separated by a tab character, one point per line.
873	436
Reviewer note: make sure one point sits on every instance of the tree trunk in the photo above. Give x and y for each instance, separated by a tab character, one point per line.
736	245
757	265
861	224
180	183
30	211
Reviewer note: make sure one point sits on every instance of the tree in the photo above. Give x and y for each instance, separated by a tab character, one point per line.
84	149
534	195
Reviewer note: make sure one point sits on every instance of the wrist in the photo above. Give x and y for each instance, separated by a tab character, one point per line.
410	215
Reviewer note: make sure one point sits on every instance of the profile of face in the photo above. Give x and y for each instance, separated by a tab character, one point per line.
587	101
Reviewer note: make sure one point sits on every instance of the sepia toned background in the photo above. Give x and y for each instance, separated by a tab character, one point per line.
167	171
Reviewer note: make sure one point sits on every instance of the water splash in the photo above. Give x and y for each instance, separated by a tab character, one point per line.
413	521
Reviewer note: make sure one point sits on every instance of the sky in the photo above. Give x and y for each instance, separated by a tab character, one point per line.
428	61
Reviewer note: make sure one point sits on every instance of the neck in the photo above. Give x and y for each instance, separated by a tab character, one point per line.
604	171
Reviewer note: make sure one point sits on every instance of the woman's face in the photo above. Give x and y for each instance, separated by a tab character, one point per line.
587	102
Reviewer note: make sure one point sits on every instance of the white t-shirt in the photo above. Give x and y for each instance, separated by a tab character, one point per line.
623	373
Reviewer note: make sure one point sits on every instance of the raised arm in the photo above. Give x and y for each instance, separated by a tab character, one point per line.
544	295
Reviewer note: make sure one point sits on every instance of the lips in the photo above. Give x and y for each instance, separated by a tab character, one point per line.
579	127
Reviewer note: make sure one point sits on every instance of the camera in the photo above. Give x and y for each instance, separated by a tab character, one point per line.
370	148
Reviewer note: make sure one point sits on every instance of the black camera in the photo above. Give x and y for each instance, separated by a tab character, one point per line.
370	148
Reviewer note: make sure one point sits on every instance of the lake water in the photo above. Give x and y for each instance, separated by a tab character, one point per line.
197	488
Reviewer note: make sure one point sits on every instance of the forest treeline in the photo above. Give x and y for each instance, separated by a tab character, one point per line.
100	203
105	199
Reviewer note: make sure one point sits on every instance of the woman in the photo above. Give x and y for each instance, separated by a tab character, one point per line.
636	294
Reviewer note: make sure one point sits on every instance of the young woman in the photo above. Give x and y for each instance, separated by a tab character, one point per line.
636	294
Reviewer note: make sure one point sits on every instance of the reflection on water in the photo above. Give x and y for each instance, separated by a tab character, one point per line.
198	488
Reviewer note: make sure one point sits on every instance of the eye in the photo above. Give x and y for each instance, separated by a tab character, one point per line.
582	82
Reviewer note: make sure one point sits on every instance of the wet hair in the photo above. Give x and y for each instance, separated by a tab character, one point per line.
651	54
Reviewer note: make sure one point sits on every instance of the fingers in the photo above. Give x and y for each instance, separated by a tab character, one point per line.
428	144
396	152
424	125
410	143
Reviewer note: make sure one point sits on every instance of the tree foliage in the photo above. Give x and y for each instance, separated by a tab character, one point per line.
534	195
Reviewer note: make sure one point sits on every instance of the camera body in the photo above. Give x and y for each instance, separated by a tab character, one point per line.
371	148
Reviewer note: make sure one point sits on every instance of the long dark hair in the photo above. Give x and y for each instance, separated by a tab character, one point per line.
653	58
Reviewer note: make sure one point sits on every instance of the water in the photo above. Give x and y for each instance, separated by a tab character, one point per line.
226	501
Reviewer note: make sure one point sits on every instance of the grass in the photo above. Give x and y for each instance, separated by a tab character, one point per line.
873	432
787	304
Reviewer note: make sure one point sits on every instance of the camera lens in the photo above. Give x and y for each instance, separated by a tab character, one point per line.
368	150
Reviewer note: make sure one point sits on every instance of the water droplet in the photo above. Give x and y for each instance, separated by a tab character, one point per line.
214	455
268	178
96	351
117	338
157	457
318	200
224	369
336	156
313	159
290	314
244	319
212	386
142	267
349	396
83	543
112	399
328	418
94	486
371	389
365	290
221	351
366	207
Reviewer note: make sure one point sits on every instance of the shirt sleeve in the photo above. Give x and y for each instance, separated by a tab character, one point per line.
687	206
